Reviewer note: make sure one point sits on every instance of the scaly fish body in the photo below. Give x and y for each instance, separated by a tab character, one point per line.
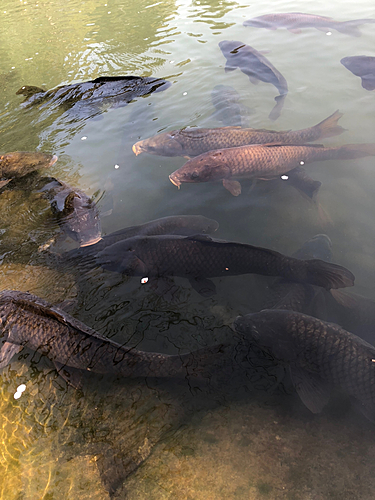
21	163
193	142
201	257
320	356
28	321
257	67
295	21
262	162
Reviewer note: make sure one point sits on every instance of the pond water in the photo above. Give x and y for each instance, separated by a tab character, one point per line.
236	438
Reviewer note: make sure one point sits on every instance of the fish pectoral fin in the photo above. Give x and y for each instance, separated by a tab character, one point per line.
234	187
312	390
7	352
4	183
229	67
254	80
72	376
203	286
297	31
368	83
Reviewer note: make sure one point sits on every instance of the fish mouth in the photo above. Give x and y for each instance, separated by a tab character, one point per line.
53	160
91	242
176	182
137	148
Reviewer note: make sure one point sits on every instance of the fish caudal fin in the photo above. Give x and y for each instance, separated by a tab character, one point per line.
351	27
328	275
329	127
353	151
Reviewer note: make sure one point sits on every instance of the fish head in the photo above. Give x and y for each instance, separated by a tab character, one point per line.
122	257
29	90
165	144
268	329
318	247
207	167
231	48
20	163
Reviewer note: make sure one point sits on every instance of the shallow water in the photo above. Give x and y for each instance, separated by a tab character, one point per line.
195	443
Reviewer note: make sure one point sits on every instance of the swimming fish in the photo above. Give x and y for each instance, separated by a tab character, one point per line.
116	90
229	111
257	67
320	356
266	161
362	66
294	21
195	141
28	321
76	213
20	163
201	257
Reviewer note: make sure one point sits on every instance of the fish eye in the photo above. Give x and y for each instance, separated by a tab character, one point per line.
194	175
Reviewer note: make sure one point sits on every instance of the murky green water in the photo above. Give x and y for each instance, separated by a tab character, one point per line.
228	442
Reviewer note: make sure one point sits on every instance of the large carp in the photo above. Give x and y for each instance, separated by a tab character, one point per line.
320	356
260	162
195	141
28	321
257	67
20	163
295	21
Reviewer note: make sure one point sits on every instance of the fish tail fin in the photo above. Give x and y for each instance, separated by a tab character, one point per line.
344	299
328	275
329	127
276	110
353	151
351	27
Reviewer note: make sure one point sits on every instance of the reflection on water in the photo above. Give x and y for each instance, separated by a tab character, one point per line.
240	433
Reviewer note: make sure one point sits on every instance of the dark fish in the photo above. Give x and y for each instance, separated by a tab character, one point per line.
299	179
195	141
320	356
294	21
260	162
116	90
201	257
362	66
77	213
229	111
28	321
256	67
20	163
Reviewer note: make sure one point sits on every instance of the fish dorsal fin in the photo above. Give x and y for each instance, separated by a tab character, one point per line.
312	390
197	133
7	351
199	237
276	145
270	131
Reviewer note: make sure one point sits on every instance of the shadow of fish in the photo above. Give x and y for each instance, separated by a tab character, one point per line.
295	21
256	67
260	162
201	257
114	90
195	141
20	163
320	356
229	111
76	213
28	321
362	66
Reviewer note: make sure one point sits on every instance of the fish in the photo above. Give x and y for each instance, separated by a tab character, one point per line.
115	90
195	141
76	213
201	257
29	321
20	163
362	66
295	21
300	180
320	356
229	111
265	161
257	67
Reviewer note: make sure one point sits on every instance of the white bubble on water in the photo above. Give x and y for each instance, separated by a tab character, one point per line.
144	280
301	162
329	33
83	138
117	166
17	395
284	177
21	388
184	93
